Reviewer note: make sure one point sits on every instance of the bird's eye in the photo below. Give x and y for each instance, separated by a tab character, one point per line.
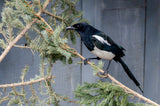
78	26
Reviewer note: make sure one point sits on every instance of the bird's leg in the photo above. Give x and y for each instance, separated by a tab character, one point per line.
108	65
106	73
87	59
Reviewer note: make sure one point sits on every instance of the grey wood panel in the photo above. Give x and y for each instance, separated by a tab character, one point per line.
90	8
152	61
12	65
122	4
68	76
126	27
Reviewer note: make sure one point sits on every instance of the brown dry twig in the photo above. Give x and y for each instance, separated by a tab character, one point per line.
55	16
26	83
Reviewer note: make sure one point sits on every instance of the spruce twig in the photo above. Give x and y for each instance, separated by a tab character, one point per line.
53	15
11	44
27	18
28	26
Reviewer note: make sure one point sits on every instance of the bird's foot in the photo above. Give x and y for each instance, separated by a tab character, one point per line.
98	58
86	61
105	74
102	75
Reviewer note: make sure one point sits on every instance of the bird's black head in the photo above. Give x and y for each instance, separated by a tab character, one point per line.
79	27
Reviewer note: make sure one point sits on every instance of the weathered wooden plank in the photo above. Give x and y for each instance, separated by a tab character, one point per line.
68	76
152	58
122	4
89	9
126	27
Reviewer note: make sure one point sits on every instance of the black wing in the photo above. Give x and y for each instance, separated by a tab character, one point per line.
110	40
108	45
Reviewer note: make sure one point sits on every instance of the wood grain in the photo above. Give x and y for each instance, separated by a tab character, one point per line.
152	58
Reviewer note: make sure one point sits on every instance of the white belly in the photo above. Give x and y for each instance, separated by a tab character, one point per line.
103	54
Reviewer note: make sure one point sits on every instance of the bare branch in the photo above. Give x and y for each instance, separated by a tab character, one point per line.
23	47
26	83
52	15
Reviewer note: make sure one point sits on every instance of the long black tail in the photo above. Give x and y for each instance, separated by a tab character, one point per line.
129	73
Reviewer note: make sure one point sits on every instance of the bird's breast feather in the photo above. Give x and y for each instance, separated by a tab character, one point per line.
103	54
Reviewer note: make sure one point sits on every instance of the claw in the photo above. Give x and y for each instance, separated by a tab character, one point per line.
105	74
86	61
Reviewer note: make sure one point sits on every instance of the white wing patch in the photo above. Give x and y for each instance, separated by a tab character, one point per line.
103	54
101	39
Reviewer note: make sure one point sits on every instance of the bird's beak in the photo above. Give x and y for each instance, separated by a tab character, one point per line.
70	28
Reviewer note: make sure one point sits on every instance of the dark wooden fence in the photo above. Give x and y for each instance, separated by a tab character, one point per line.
134	24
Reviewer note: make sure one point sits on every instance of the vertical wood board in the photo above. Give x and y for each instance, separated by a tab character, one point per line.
126	27
152	58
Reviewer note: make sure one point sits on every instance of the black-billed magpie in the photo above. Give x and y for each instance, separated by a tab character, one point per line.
102	46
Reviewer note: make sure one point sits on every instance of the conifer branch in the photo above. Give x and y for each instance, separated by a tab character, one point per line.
52	15
12	43
5	37
20	46
50	28
4	99
27	17
128	90
28	26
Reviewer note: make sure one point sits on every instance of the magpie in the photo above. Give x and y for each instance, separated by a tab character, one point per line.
102	46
